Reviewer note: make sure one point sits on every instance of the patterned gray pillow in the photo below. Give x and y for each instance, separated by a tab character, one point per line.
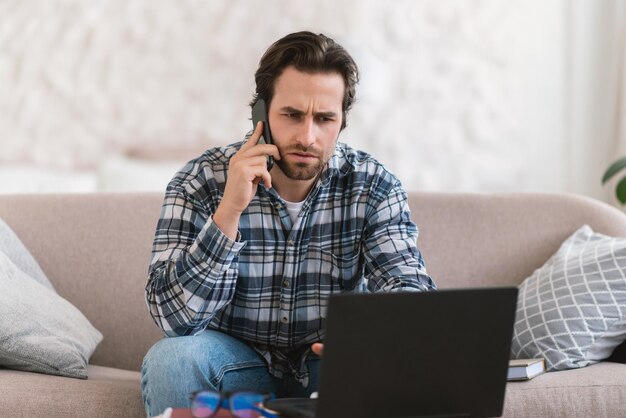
572	310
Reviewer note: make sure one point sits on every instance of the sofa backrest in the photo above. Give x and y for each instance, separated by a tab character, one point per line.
500	239
95	248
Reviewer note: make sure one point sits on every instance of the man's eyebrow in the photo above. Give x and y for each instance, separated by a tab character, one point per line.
329	114
290	109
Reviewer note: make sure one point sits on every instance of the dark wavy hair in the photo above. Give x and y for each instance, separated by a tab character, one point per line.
309	53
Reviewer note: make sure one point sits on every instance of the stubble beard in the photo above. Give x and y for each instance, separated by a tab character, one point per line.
300	171
303	171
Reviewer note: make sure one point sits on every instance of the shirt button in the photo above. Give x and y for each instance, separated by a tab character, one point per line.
284	320
286	283
277	206
291	243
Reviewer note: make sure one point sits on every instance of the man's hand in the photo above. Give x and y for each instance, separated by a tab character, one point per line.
317	348
247	168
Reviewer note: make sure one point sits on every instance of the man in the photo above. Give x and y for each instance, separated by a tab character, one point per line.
244	258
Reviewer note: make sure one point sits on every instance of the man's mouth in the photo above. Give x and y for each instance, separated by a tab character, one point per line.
303	156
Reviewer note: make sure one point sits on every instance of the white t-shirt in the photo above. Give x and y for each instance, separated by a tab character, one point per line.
294	209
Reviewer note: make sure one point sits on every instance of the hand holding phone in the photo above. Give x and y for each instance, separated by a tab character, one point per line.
259	113
245	172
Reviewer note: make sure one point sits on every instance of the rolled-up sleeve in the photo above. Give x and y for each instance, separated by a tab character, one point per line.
193	270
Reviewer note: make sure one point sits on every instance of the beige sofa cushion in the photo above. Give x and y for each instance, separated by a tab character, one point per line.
108	393
595	391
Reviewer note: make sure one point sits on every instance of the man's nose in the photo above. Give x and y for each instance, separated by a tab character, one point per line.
306	133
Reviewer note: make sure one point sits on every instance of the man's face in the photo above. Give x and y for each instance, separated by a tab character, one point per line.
305	118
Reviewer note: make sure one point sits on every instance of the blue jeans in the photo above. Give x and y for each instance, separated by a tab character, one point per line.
176	367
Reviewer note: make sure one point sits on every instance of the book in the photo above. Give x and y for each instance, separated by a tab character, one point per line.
525	369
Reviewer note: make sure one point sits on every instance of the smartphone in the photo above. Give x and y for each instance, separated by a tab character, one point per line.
259	113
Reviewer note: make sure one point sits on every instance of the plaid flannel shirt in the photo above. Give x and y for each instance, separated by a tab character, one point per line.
270	286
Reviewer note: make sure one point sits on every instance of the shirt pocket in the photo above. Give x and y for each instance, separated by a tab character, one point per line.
333	273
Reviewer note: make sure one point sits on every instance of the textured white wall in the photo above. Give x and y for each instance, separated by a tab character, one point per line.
455	95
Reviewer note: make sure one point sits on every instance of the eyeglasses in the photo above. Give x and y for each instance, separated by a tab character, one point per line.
206	403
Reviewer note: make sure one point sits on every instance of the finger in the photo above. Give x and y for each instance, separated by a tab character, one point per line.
254	162
256	170
318	348
267	179
273	151
254	138
263	149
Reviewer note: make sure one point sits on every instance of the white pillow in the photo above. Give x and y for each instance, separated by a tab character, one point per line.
572	310
11	245
40	331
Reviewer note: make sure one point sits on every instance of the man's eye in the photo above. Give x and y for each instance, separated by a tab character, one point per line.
292	115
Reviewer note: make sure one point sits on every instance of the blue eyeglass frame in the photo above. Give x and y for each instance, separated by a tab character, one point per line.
225	402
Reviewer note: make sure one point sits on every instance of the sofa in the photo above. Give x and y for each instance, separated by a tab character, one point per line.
95	249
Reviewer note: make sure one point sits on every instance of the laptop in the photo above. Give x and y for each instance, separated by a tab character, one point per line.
413	354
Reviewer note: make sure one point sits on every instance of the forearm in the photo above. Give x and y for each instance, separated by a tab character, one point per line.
187	286
401	271
393	260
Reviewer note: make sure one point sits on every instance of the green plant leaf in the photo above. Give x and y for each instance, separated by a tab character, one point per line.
620	190
613	169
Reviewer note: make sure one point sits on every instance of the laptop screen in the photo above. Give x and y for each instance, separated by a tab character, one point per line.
410	354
